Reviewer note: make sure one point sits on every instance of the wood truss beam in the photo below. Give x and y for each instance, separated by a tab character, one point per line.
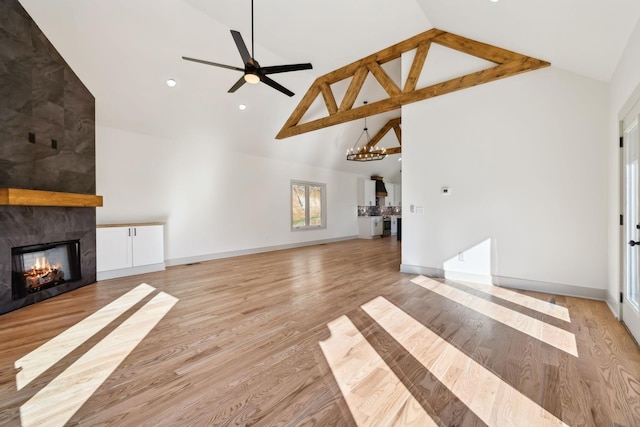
391	124
507	64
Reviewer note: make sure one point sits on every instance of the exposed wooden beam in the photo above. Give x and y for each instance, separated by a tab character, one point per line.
383	78
354	88
329	99
416	66
391	124
508	64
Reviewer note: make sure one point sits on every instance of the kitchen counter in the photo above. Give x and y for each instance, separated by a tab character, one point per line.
369	227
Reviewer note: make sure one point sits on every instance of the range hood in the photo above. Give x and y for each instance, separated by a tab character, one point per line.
381	190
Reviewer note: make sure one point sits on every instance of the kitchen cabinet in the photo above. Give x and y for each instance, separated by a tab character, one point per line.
127	249
394	224
397	199
389	200
366	192
369	227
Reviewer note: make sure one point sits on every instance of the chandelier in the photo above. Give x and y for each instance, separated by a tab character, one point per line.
368	151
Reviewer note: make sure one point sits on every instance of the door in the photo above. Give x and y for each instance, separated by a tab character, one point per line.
631	284
113	248
148	245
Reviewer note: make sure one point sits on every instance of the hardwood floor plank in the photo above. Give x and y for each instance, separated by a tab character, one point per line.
242	346
62	397
42	358
493	400
550	334
374	394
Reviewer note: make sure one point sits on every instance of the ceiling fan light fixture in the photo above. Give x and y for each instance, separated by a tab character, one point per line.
251	78
253	72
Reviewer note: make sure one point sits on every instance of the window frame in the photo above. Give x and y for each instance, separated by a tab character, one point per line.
323	205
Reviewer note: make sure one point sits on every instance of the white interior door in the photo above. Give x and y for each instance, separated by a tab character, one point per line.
630	307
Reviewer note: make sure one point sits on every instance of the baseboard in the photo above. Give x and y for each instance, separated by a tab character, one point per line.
123	272
614	304
511	282
220	255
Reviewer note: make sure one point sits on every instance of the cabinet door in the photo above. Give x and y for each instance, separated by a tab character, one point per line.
390	199
366	192
398	195
148	245
113	248
376	226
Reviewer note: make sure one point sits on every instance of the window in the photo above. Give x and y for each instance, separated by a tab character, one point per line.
308	202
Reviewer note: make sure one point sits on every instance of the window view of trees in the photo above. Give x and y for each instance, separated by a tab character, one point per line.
307	205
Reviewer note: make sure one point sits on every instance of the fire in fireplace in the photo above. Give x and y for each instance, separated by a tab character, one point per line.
43	266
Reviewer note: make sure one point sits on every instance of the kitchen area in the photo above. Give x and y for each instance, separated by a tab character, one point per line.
379	208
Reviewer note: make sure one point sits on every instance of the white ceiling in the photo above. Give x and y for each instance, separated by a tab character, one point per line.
124	51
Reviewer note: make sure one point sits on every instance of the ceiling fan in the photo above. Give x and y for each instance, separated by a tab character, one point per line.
253	72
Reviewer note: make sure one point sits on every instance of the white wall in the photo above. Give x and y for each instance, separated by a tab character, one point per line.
624	92
525	158
213	202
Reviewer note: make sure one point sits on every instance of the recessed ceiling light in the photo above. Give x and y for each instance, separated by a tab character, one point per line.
494	1
171	82
242	106
400	159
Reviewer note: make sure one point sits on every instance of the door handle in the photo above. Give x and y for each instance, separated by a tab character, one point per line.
633	243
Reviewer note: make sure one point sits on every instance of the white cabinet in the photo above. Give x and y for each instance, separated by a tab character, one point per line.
394	224
369	227
124	250
366	192
394	193
397	199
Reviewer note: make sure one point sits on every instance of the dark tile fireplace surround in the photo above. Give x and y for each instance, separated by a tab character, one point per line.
47	142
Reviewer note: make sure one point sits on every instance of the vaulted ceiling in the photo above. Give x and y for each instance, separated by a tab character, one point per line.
125	50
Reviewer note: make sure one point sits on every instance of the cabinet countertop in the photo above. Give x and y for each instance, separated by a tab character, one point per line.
130	224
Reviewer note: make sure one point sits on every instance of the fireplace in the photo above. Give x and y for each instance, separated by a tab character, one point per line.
47	159
38	267
21	228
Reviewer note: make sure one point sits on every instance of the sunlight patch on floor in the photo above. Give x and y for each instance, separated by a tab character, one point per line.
54	350
374	394
491	399
552	335
56	403
544	307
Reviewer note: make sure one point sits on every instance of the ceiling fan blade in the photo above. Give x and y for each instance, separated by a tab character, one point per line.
277	86
285	68
215	64
237	85
242	48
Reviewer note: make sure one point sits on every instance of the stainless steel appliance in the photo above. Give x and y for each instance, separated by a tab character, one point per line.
386	226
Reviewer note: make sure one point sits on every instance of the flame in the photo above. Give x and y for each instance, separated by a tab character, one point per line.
42	268
41	264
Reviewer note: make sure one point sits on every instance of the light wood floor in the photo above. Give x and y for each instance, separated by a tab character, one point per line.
328	335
